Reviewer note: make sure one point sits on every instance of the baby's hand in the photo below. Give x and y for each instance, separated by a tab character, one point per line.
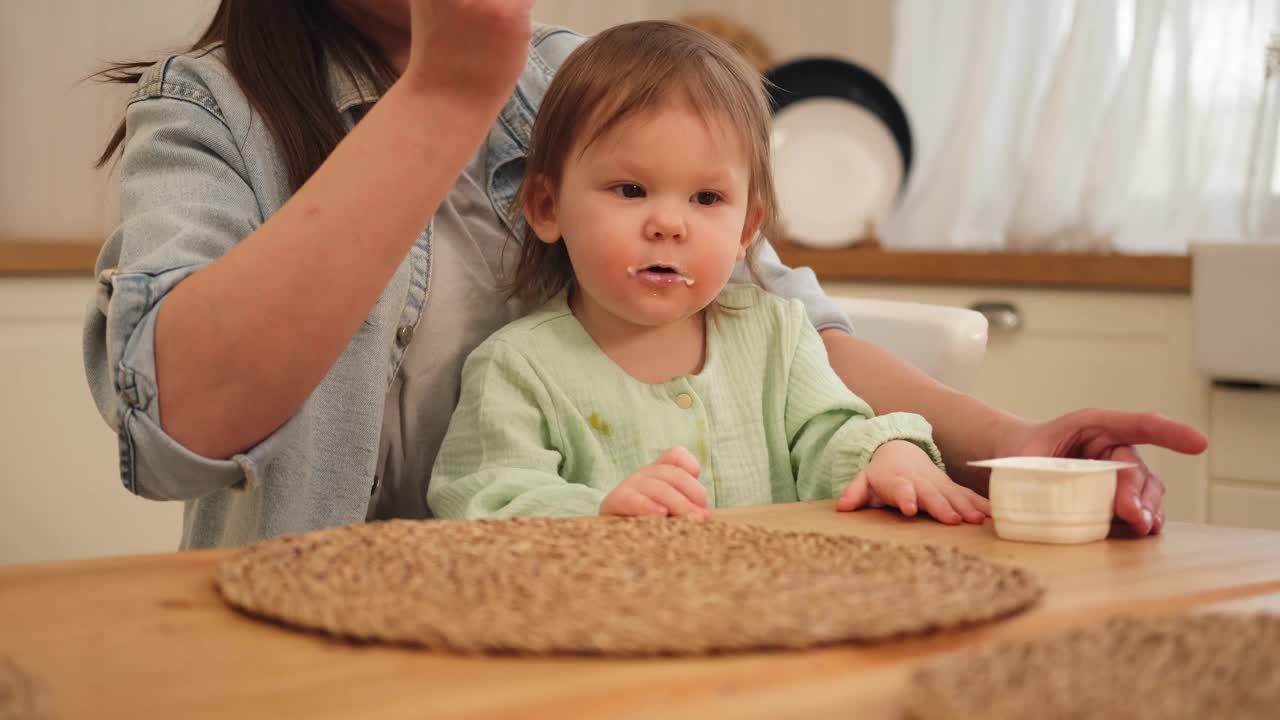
668	486
901	475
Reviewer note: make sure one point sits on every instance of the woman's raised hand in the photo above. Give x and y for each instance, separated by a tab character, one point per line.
471	50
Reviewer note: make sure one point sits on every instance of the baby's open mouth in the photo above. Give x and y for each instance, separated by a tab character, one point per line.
660	274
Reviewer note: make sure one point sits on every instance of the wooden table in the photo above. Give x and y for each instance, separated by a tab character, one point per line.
148	637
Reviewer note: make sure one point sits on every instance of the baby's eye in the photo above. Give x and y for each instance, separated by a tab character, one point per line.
629	190
706	197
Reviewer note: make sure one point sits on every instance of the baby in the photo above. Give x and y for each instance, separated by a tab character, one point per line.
646	383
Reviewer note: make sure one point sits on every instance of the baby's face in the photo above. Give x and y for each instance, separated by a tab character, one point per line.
655	213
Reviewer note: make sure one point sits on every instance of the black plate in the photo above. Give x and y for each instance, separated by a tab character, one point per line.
831	77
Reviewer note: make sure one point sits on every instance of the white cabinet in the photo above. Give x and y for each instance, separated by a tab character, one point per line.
60	491
1076	349
1244	476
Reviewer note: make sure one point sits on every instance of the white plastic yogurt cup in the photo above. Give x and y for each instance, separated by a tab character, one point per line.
1052	500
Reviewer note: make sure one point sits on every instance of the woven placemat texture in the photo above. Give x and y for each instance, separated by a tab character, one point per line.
1167	668
22	696
612	585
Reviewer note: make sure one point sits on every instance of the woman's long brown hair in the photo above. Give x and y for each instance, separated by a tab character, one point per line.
279	52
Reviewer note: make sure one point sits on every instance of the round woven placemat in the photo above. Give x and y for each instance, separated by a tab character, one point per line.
1203	666
611	585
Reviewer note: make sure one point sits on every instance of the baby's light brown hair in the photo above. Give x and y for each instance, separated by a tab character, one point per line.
627	70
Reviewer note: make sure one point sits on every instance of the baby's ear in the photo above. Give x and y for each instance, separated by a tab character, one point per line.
538	199
755	218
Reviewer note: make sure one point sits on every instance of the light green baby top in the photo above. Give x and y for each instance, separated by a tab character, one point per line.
548	424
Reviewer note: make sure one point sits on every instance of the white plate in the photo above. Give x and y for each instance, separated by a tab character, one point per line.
1053	465
837	170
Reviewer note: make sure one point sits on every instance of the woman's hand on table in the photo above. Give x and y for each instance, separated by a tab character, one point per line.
902	475
1112	435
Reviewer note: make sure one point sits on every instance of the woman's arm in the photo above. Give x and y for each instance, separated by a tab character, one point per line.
966	428
242	342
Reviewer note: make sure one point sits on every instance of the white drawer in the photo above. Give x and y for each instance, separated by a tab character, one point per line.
1244	506
60	492
1234	296
1245	431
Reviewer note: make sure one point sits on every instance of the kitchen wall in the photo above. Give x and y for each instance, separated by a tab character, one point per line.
860	30
60	492
55	125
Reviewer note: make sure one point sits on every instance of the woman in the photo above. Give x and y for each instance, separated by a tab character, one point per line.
277	340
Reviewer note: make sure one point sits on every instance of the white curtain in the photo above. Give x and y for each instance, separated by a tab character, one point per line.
1086	125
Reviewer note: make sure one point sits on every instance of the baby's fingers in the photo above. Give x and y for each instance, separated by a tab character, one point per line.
672	488
629	502
982	503
900	493
680	457
683	482
857	494
938	505
972	507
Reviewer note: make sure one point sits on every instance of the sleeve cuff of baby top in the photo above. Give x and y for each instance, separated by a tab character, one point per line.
855	443
152	463
575	501
482	495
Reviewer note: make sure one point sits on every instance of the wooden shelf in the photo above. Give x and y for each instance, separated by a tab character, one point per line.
48	257
865	263
1065	270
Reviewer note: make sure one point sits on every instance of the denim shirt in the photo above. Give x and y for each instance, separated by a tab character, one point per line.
199	172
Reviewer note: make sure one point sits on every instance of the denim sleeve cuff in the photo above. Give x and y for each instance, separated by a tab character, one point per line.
794	284
153	464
